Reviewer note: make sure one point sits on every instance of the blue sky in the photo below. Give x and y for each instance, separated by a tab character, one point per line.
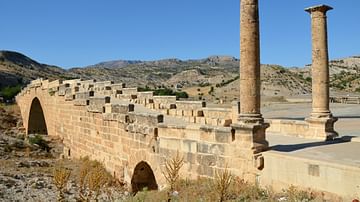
71	33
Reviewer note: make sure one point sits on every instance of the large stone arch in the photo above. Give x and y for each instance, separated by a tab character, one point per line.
36	118
143	177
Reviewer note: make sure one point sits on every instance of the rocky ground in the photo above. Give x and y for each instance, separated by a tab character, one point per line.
27	169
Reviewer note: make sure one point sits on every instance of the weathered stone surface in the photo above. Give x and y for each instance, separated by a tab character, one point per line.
320	76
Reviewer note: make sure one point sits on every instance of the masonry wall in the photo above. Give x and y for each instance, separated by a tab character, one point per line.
92	124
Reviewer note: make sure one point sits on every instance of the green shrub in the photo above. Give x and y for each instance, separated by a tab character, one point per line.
38	140
224	83
164	92
10	92
211	90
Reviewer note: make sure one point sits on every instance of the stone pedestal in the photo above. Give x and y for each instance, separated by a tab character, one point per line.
322	128
251	136
249	143
321	121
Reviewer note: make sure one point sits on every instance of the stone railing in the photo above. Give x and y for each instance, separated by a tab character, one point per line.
345	100
96	95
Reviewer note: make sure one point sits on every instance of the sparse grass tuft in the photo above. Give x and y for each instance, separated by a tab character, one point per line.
93	178
294	194
97	179
223	181
172	168
61	178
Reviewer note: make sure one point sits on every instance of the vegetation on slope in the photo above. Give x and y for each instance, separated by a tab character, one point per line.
163	91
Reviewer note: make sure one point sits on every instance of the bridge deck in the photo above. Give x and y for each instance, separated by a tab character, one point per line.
348	114
342	151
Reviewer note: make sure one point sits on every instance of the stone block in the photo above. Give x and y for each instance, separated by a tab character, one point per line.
62	89
190	105
96	104
205	171
223	135
218	149
146	118
119	108
202	147
189	146
129	91
206	159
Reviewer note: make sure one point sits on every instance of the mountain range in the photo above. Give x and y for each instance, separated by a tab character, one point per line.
212	77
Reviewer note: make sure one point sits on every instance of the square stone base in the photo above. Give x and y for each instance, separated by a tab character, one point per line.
248	144
251	136
322	128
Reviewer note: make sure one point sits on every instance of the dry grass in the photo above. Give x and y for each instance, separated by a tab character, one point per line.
172	168
97	179
92	179
61	178
223	181
83	172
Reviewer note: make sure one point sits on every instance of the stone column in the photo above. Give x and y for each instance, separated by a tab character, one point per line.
249	62
320	114
249	128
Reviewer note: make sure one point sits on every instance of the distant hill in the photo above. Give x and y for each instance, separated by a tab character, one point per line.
215	77
18	69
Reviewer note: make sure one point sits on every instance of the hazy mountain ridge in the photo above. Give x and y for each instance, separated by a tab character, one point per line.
221	72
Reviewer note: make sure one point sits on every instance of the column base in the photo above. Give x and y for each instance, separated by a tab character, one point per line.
244	119
249	142
251	136
321	126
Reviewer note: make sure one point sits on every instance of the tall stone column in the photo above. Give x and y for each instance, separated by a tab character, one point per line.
249	62
320	115
249	128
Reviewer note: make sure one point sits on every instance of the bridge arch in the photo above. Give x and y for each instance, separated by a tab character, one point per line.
36	122
143	177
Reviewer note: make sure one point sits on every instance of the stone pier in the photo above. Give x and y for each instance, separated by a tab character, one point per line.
250	127
321	119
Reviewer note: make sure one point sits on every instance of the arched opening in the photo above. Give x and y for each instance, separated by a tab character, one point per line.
143	177
36	124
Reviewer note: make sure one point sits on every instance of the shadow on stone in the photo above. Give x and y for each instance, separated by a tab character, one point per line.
295	147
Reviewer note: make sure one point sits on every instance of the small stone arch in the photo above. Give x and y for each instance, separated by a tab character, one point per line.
36	122
143	177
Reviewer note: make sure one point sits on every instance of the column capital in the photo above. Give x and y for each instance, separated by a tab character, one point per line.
322	8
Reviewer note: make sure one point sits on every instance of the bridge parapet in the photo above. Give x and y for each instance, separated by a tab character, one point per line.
81	91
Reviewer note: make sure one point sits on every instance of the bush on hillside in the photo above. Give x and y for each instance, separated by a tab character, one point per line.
9	92
164	92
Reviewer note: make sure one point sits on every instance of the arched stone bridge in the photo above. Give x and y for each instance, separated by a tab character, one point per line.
133	133
124	128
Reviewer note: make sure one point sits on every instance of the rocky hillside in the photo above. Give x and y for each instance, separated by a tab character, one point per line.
168	72
18	69
215	77
344	74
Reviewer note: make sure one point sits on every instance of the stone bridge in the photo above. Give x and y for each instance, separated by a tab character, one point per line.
124	128
133	133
